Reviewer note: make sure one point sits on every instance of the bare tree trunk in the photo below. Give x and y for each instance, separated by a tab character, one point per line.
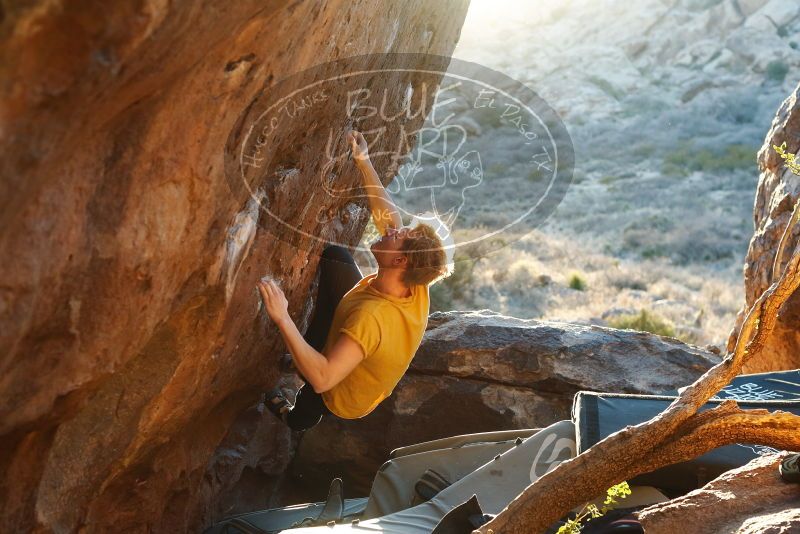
677	434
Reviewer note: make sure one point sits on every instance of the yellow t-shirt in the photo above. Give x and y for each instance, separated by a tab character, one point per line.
389	330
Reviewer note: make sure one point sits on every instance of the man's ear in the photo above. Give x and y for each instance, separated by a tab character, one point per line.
400	261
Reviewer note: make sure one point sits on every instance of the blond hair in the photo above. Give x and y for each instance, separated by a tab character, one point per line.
427	259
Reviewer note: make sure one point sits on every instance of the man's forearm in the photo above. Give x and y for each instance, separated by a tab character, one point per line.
308	361
384	211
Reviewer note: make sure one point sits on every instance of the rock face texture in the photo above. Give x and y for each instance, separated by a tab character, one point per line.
752	499
778	191
130	333
480	371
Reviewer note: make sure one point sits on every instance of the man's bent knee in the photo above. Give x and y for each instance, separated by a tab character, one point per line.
337	253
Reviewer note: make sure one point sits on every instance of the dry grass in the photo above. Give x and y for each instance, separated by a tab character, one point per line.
531	277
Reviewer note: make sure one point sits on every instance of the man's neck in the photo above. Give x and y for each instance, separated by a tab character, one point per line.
390	284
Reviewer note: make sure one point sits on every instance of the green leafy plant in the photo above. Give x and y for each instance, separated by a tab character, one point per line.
644	150
686	158
577	282
645	322
591	511
497	169
447	293
535	175
777	70
790	159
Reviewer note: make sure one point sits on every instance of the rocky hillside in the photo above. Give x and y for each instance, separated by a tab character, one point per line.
130	333
660	86
667	103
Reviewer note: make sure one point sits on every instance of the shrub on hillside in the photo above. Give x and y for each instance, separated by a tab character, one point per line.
645	321
577	282
777	70
686	158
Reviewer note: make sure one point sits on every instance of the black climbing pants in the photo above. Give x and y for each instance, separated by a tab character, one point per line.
338	273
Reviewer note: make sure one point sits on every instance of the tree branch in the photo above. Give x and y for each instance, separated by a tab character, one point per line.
725	425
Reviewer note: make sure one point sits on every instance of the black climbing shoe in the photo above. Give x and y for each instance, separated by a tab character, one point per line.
790	468
277	403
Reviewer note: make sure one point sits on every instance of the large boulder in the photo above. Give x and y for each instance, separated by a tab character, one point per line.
130	333
778	191
481	371
752	499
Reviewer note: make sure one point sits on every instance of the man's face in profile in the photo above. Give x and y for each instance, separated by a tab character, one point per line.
388	247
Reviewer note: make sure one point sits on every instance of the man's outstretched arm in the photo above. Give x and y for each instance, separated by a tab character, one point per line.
320	371
384	211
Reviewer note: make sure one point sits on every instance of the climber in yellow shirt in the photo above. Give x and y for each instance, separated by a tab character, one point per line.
366	329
